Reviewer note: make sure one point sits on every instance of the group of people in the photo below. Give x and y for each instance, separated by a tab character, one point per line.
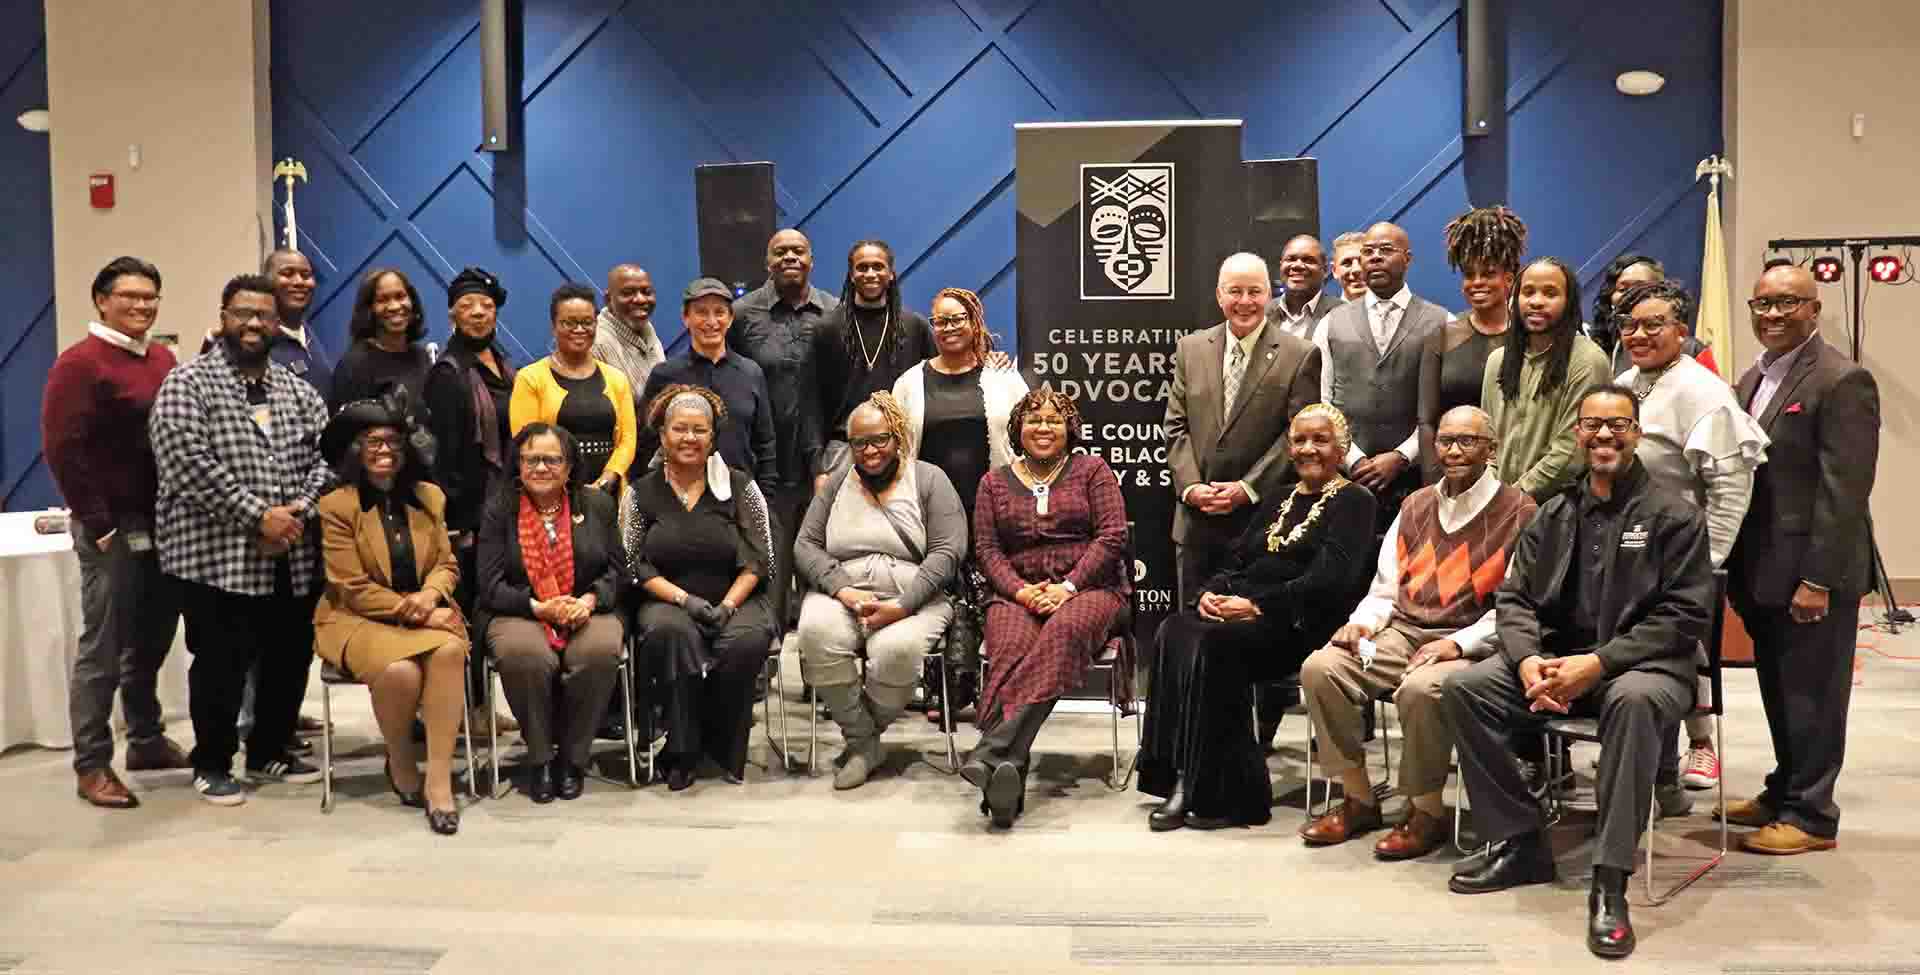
1494	517
1497	518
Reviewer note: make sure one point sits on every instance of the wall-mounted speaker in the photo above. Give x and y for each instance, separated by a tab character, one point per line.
498	86
736	214
1483	68
1283	201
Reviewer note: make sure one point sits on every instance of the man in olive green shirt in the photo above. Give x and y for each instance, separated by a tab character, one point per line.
1535	402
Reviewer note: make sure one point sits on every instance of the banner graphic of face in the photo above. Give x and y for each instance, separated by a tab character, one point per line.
1127	250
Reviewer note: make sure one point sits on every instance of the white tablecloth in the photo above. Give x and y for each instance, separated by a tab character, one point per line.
39	636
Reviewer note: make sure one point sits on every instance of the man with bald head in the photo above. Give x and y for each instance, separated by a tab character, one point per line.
1803	558
624	336
774	325
1373	351
1428	614
1236	387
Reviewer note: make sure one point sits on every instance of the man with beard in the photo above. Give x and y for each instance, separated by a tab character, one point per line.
1601	616
624	336
236	443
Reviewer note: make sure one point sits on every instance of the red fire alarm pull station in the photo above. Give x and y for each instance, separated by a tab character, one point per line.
100	190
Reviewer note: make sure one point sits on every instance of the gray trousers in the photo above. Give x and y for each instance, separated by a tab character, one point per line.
831	639
129	612
1487	706
585	673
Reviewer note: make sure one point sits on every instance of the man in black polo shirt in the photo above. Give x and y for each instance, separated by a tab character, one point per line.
774	325
745	438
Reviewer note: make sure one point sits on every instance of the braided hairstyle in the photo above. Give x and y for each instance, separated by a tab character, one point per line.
657	407
1605	331
1032	402
1489	237
848	292
982	339
1564	332
896	419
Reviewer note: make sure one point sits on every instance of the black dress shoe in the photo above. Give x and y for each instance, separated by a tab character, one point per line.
445	823
1005	788
1525	859
540	783
1172	814
1609	929
679	777
568	781
411	799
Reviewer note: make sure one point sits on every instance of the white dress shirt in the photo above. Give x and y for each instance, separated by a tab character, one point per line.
1376	610
119	340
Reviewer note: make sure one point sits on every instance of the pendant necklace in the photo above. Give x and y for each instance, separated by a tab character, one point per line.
1042	486
879	345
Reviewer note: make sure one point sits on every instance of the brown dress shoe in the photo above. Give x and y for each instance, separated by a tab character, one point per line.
1746	812
1783	839
157	755
1347	820
1420	835
104	789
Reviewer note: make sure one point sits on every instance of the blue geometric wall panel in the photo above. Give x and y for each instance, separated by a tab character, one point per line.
27	330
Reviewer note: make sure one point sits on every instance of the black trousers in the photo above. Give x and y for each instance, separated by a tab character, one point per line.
706	677
228	633
1806	682
789	503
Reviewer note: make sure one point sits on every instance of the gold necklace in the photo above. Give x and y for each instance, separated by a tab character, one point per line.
1042	487
1277	541
879	344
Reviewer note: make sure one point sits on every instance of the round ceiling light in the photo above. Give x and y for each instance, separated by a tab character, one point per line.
35	120
1639	82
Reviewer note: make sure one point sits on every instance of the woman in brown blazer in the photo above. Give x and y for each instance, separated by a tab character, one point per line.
388	616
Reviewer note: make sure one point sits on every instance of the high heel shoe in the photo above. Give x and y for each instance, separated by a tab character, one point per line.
444	822
412	799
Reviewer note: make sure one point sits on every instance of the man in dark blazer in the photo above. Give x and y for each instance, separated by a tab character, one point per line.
1372	348
1803	558
1228	452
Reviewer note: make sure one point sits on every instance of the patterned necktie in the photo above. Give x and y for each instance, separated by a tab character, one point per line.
1236	371
1382	324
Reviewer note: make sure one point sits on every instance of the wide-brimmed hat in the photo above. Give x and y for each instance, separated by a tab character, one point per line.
357	417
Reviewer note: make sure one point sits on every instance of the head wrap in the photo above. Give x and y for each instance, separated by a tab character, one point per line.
476	281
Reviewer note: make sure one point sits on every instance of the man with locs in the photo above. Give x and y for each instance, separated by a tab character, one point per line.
93	427
236	443
1601	615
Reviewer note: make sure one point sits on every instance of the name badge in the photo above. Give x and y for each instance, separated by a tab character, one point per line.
139	541
1635	537
298	367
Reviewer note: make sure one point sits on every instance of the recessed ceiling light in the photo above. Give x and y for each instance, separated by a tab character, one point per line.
35	120
1639	82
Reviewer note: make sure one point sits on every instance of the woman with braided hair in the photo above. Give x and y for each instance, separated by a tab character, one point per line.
1484	246
1624	273
877	551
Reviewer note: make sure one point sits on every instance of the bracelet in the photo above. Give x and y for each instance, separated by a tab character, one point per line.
681	601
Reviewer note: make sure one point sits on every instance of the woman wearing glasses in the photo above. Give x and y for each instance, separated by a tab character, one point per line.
1696	441
587	398
1625	272
1533	383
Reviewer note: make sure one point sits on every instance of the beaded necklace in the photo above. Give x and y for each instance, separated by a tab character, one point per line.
1275	540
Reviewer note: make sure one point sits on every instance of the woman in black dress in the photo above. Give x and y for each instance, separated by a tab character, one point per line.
1290	582
699	547
1484	246
387	326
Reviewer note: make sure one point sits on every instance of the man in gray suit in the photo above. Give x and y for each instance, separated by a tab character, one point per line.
1236	386
1373	354
1803	558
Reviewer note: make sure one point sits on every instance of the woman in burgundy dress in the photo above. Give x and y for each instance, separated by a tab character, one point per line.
1050	534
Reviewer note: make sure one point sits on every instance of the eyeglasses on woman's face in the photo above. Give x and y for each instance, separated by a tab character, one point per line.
1617	424
535	462
879	441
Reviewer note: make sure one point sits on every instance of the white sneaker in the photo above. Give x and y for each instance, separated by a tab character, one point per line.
1702	768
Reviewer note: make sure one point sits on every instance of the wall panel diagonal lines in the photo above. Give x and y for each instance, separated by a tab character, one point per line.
27	334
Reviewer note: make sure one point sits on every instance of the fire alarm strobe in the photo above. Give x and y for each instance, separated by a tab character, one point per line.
100	190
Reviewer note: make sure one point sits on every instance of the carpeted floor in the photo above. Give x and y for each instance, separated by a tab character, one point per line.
783	874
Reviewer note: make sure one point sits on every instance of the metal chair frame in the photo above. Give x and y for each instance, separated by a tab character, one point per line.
330	677
1382	705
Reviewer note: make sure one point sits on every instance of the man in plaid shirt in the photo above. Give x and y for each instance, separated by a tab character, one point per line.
236	440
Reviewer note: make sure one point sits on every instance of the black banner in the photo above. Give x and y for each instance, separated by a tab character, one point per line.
1122	227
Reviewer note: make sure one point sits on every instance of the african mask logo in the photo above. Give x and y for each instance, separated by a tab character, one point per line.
1127	250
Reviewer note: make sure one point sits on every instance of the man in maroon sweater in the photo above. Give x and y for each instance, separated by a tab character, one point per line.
93	428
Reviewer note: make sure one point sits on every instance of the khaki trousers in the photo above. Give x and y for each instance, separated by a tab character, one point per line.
1338	691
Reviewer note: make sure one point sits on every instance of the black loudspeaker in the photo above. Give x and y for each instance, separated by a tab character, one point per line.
1483	68
1283	201
736	213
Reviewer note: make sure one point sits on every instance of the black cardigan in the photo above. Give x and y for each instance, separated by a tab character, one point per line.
598	558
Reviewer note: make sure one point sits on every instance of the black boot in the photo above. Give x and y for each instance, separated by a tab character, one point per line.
1006	794
1172	814
1609	929
540	783
568	782
1524	859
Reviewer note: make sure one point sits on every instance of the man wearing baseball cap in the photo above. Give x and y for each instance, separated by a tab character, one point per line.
746	436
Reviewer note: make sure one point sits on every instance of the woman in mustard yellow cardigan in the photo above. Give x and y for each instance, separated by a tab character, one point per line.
572	390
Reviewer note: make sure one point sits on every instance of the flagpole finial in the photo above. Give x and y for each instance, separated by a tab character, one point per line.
289	170
1714	168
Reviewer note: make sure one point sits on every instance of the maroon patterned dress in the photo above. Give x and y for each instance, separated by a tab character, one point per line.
1082	538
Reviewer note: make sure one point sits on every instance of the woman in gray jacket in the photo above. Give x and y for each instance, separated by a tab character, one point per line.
879	546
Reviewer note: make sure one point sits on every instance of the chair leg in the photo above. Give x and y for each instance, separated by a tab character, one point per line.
1386	740
493	734
626	688
466	734
1711	862
1311	766
326	747
946	717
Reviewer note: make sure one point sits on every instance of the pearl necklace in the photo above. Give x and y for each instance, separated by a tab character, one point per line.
1275	540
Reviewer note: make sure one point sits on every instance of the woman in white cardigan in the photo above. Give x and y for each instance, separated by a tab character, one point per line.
957	404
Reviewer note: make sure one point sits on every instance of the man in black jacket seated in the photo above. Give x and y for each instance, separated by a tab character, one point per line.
1602	615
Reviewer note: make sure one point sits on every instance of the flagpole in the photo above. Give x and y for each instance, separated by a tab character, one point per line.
1714	324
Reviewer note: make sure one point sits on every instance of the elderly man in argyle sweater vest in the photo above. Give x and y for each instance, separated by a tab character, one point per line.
1429	612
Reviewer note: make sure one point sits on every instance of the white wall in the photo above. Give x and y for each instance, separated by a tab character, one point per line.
1797	73
186	82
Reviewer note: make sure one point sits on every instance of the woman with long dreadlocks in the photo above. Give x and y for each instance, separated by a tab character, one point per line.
1533	383
1484	245
866	344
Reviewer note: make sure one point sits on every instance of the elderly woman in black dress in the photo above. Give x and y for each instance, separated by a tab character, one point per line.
699	546
1290	582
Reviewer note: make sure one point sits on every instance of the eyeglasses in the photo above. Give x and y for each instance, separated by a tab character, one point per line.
1382	250
1036	420
576	324
1592	424
534	462
137	297
382	445
879	441
951	323
1650	326
242	316
1464	441
1784	304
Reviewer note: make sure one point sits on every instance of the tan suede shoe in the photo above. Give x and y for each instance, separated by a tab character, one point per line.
1746	812
1782	839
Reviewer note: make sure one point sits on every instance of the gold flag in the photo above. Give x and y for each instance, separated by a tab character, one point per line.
1714	325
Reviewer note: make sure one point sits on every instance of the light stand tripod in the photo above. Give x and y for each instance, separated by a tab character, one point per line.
1892	615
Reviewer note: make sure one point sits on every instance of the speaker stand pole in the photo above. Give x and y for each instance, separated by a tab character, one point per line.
1892	616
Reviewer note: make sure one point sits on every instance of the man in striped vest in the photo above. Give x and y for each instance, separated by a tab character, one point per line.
1429	612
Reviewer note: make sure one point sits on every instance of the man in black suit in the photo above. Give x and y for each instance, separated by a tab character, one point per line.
1803	559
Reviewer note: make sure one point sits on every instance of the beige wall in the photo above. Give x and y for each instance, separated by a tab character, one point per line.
1797	73
185	81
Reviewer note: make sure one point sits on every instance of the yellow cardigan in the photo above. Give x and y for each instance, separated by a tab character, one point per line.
537	396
